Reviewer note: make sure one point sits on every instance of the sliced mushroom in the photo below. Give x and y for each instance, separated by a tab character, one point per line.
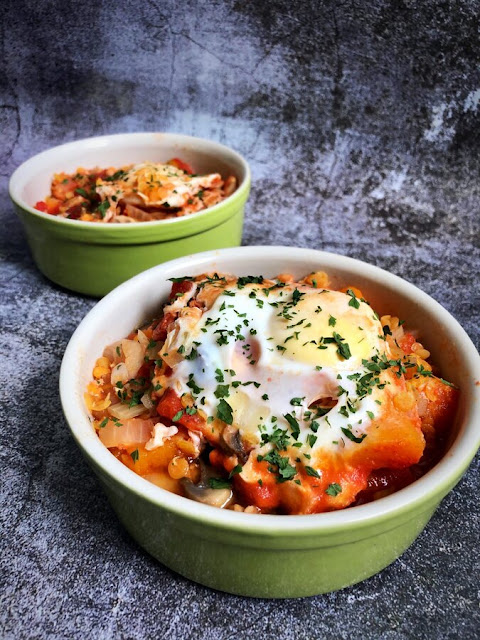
233	443
131	198
122	219
203	492
136	213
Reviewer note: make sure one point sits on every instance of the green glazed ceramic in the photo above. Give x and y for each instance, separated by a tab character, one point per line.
269	555
93	258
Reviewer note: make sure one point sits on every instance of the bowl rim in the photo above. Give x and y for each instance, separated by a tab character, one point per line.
434	484
27	169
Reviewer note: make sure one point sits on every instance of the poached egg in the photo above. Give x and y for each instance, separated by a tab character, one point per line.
289	359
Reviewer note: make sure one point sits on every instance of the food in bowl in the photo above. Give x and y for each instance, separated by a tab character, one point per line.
135	193
95	258
262	555
272	396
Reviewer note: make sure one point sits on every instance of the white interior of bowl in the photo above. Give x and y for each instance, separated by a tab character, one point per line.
31	181
140	299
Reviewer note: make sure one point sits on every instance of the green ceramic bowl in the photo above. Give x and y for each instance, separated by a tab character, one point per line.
93	258
270	555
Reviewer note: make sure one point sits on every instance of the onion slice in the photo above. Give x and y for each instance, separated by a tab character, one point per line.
130	432
119	374
134	354
124	412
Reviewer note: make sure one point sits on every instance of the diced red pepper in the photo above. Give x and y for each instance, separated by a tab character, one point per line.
180	287
180	164
170	405
41	206
159	333
405	343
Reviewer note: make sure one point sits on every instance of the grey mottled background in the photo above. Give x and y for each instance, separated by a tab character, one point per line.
361	124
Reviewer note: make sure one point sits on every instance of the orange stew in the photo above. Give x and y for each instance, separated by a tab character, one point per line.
272	396
135	193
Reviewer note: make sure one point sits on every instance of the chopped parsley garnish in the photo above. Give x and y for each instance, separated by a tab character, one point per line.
314	426
193	355
311	439
102	208
241	282
223	339
293	422
180	279
284	469
278	437
423	372
297	296
222	391
296	324
332	321
225	411
343	349
134	455
351	404
218	483
296	402
348	433
237	469
312	472
82	192
178	415
193	386
353	302
121	173
449	384
333	489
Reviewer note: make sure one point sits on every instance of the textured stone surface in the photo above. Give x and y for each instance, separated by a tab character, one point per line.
361	123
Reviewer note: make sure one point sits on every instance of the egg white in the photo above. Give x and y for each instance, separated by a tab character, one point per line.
172	186
265	348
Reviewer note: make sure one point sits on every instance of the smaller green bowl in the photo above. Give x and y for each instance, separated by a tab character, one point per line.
94	258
